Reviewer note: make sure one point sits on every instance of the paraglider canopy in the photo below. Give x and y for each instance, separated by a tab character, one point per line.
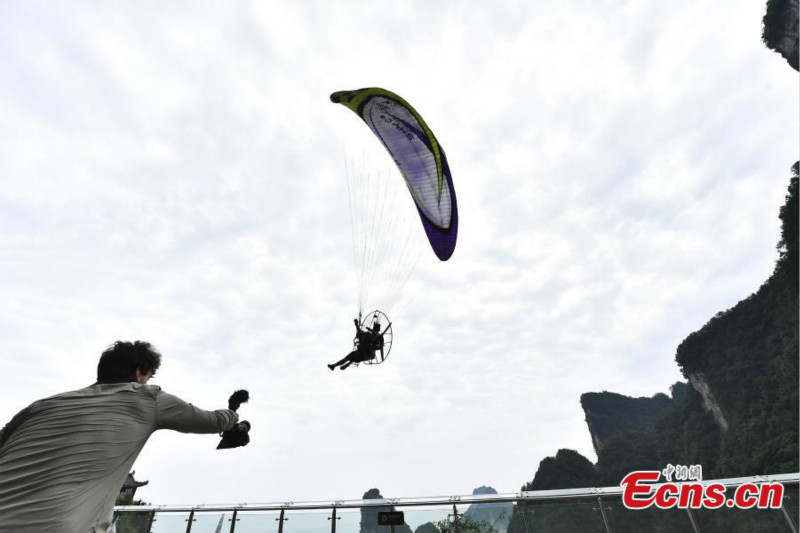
418	155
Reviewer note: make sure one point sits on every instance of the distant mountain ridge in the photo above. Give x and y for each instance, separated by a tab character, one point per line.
479	517
369	515
609	414
496	514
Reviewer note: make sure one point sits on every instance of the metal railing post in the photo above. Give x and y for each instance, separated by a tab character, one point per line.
603	514
233	520
150	520
521	505
455	519
788	517
692	519
333	518
281	520
189	521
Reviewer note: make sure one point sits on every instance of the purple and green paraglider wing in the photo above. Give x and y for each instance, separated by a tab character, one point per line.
418	155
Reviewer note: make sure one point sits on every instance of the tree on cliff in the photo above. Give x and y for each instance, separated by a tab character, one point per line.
780	29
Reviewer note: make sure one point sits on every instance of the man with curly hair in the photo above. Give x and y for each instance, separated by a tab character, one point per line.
63	459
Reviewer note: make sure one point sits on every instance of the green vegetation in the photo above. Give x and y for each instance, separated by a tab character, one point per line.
467	524
748	357
609	414
780	29
131	522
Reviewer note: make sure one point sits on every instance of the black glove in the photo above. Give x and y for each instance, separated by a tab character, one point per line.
238	398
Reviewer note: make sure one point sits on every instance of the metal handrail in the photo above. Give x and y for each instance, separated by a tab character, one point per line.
537	495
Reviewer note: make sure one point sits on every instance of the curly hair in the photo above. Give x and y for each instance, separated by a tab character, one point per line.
118	364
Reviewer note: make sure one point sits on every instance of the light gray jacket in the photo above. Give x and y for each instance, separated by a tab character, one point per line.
63	459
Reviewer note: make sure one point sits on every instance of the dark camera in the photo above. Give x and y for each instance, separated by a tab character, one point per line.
238	435
235	437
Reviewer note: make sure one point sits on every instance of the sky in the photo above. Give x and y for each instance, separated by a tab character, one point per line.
176	173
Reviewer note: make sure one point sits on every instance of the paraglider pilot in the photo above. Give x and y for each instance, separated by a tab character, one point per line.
368	341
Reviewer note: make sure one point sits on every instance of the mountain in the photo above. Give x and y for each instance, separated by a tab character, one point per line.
496	514
478	518
743	363
369	516
738	417
609	414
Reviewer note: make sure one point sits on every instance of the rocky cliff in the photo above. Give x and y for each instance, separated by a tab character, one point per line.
609	414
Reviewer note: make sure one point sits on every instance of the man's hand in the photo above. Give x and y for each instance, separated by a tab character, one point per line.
235	418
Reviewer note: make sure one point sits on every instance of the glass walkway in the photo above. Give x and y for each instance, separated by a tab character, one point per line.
590	510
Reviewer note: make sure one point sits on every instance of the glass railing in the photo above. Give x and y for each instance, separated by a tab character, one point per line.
591	510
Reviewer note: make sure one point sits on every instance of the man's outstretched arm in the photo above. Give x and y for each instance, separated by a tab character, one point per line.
174	413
